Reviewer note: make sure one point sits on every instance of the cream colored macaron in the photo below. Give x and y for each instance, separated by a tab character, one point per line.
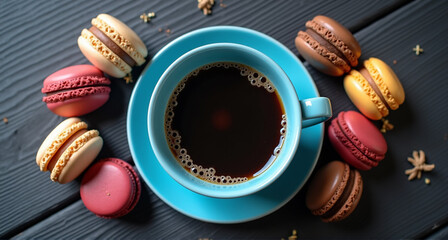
112	46
68	150
374	89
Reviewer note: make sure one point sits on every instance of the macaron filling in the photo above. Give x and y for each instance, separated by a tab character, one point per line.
112	46
326	44
365	73
343	198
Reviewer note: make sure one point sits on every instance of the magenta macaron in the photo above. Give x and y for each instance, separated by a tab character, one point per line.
110	188
76	90
357	140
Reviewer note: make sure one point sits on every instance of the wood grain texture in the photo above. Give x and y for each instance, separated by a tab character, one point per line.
400	208
34	47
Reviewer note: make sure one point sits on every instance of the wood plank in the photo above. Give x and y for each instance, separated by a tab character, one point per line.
390	203
35	46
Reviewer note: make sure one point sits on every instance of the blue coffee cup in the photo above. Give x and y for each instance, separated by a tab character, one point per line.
299	113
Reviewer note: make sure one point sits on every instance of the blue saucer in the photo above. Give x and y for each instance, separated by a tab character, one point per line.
206	208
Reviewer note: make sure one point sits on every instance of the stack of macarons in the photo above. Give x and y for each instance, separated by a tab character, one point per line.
332	194
374	89
330	48
112	47
110	188
69	149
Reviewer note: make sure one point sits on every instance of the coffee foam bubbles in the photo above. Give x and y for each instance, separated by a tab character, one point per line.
174	138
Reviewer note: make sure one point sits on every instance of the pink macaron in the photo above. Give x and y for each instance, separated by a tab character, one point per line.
357	140
110	188
76	90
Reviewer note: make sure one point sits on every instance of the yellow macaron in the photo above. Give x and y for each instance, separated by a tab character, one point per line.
68	150
374	89
112	46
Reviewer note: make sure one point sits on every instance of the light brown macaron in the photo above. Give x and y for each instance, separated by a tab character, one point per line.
68	150
112	46
334	192
328	46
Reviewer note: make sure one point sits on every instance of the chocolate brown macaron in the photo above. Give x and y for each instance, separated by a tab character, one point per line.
328	46
334	192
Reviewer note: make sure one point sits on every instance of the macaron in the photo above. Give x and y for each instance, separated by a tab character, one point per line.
328	46
374	89
357	140
112	46
334	192
68	150
110	188
76	90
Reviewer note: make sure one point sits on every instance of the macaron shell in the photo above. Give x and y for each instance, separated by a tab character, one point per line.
363	134
361	94
127	33
98	59
110	188
80	160
135	180
352	202
326	187
319	62
390	80
79	106
342	33
53	135
345	148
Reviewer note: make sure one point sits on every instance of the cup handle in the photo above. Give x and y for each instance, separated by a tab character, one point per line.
315	110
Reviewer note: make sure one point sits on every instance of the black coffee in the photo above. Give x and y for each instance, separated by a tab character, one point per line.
225	123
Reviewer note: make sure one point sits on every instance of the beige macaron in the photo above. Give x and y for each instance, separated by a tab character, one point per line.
68	150
112	46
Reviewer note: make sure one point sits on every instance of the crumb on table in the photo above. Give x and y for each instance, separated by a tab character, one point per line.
418	50
206	6
147	17
418	161
128	78
387	126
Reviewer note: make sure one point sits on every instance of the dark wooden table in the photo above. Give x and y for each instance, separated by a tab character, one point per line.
39	37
